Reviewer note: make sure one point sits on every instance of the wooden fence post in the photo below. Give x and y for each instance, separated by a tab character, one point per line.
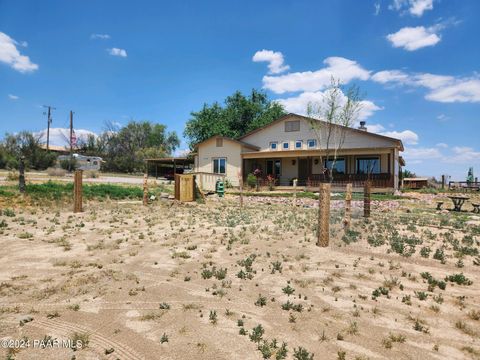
366	199
240	183
348	207
294	193
145	190
21	175
77	191
323	231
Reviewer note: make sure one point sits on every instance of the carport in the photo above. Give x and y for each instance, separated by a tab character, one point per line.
162	167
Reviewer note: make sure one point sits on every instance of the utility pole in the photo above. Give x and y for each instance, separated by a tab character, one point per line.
49	121
71	133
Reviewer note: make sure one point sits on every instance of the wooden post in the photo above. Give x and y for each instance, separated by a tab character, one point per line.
145	190
21	174
443	182
295	193
366	199
348	207
323	231
77	191
240	182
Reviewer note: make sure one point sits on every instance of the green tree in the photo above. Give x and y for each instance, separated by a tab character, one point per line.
126	149
239	115
25	144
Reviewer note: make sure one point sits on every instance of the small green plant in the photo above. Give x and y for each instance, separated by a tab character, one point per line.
213	317
257	333
302	354
164	338
288	290
261	301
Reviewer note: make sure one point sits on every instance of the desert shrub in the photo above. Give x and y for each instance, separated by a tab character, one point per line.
459	279
69	164
91	174
12	176
52	171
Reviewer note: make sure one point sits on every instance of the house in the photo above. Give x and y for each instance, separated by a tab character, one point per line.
291	147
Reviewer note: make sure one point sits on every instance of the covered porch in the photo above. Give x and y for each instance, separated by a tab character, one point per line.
355	168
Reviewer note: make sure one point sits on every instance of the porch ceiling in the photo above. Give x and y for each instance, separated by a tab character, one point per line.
305	153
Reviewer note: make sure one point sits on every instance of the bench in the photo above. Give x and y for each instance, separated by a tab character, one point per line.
439	205
476	208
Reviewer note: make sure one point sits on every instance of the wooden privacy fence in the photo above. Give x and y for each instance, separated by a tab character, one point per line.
184	187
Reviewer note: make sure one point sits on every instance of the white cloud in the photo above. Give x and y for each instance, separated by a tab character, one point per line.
443	117
375	128
407	136
414	7
337	67
442	145
411	153
414	38
442	88
462	90
298	104
10	55
117	52
60	136
274	58
377	8
13	97
418	7
100	36
463	155
390	76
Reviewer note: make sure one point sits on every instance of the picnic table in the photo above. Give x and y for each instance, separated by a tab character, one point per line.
458	201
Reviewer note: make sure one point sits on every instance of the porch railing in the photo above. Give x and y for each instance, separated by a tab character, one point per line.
207	181
382	180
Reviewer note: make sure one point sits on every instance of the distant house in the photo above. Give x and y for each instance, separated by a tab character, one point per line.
84	162
288	149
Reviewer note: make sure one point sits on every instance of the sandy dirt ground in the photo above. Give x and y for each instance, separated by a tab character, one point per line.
213	281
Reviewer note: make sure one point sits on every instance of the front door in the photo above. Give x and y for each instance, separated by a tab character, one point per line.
302	171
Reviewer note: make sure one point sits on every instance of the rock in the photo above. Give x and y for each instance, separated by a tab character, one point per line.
25	319
152	197
164	195
171	197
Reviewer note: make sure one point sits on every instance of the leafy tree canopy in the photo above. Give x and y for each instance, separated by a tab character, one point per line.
239	115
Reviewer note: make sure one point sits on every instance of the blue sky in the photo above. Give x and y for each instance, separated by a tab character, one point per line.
416	61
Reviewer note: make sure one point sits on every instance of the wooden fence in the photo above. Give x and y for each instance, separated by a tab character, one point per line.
184	187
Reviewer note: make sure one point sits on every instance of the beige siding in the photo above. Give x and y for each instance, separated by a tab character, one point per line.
276	132
230	150
289	171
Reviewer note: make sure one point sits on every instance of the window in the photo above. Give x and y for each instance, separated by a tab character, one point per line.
368	165
274	167
312	143
220	166
292	126
298	144
285	145
219	142
337	168
273	145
